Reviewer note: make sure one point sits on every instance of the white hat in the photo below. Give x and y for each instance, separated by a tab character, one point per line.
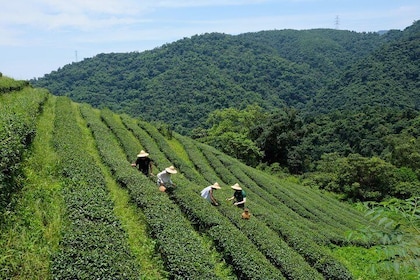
142	154
236	187
216	186
171	170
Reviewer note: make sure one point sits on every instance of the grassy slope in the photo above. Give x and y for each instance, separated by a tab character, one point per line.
33	231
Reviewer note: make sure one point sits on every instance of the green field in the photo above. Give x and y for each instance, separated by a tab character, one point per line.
72	207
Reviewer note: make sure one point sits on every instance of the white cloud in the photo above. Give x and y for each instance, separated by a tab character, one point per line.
205	3
53	14
83	14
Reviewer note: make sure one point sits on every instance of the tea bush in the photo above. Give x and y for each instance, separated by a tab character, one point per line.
178	243
289	236
294	230
18	115
93	245
8	85
236	248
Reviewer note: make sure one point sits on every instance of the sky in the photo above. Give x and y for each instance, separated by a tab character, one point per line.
41	36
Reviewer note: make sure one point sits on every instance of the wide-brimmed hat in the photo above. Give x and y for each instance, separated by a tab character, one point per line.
216	186
171	170
142	154
236	187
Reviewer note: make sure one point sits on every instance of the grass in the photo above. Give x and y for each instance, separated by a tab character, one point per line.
33	232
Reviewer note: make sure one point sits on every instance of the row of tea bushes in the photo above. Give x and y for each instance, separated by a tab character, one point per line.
237	249
314	222
93	244
127	139
300	240
163	145
197	158
269	204
338	214
292	263
18	114
180	246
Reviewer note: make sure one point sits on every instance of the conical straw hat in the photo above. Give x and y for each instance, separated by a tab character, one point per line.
236	187
171	170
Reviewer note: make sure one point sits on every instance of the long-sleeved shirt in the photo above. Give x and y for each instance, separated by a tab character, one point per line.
207	193
164	178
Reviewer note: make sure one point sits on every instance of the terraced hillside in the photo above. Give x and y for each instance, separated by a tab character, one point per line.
73	207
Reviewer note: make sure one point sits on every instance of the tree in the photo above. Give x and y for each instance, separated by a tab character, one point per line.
234	120
229	132
237	145
278	137
398	231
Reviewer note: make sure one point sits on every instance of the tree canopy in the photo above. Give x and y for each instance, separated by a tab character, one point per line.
281	97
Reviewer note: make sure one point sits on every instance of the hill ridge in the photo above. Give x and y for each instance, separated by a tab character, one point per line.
213	71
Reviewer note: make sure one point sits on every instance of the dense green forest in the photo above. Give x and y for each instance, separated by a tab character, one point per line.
299	102
182	82
72	207
312	70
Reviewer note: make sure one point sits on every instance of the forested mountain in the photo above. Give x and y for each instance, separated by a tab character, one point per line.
182	82
388	77
282	97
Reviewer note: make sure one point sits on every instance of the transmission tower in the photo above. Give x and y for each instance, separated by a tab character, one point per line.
337	22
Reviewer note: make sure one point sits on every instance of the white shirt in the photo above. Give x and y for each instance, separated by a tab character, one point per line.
206	193
164	177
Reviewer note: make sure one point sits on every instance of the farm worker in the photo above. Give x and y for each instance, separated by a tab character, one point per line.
143	163
164	178
239	195
207	193
246	215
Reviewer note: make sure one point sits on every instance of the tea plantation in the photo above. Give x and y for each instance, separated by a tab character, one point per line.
72	207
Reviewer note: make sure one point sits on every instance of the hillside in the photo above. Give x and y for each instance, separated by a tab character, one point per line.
73	208
388	78
182	82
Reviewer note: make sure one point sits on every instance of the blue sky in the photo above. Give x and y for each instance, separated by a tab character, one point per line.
40	36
